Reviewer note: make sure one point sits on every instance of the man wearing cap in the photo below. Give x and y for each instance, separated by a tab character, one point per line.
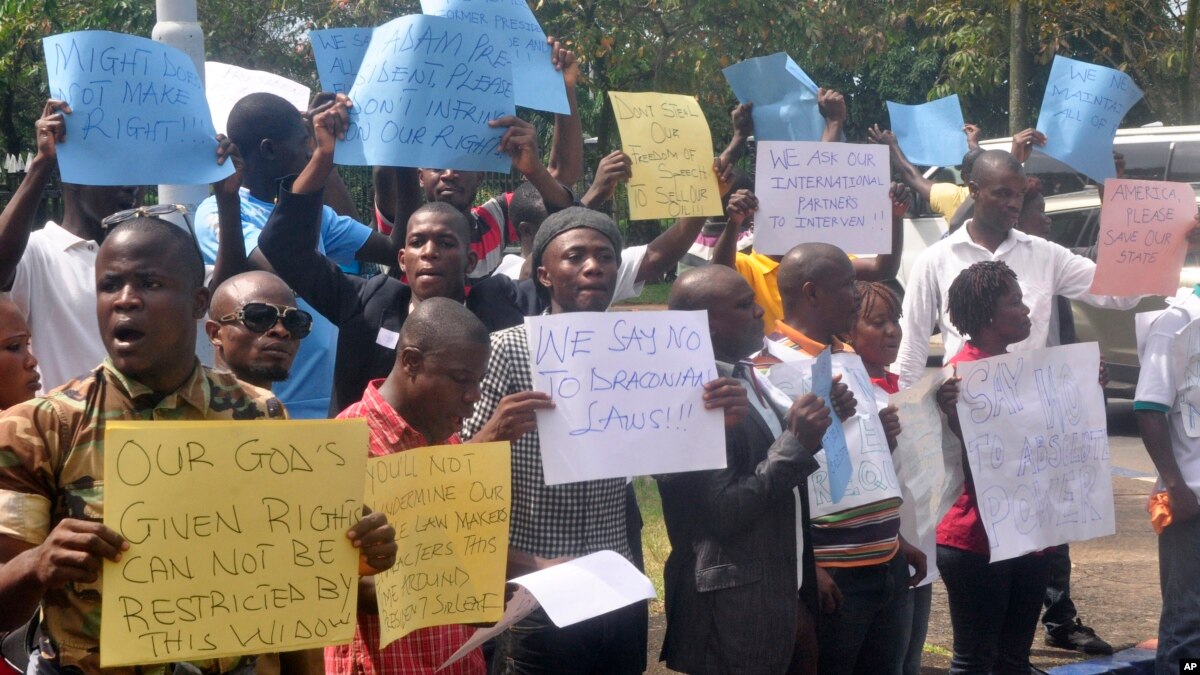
575	259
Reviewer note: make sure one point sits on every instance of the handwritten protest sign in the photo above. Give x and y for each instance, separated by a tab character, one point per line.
237	534
449	505
139	115
668	140
570	592
225	85
536	84
339	53
627	391
837	455
1036	437
1081	110
1143	237
872	477
928	462
835	193
930	134
425	91
784	98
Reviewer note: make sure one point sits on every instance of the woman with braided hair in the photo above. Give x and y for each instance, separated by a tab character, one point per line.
994	606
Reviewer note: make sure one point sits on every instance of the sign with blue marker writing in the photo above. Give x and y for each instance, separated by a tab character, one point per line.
784	98
930	134
339	52
536	83
425	91
1036	438
1081	110
837	455
859	454
139	114
835	193
627	390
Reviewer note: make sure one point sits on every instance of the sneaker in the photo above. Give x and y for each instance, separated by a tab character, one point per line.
1079	638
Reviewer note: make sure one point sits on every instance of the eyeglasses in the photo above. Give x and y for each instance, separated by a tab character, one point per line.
155	211
260	317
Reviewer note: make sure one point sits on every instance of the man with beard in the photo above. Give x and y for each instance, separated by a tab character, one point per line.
255	327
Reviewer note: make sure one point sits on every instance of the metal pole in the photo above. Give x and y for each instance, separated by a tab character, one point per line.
178	26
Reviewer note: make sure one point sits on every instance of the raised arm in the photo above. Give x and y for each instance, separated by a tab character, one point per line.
886	266
972	133
614	168
520	142
16	221
566	141
1024	141
909	175
833	108
231	257
743	129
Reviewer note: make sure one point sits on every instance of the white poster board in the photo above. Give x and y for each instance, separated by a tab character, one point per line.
627	390
835	193
225	85
1036	438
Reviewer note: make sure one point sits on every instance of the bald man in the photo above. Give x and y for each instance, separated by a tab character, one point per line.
255	327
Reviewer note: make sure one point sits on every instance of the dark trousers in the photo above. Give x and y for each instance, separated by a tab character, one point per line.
993	609
868	633
610	643
1179	579
1059	616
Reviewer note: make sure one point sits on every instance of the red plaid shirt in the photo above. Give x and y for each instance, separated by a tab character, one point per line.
422	650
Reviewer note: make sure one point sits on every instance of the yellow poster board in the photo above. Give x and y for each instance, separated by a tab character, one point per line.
237	534
450	507
667	137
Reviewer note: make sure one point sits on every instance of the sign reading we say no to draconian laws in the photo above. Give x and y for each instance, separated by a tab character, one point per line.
237	537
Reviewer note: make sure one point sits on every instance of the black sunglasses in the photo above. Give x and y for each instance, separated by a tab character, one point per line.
260	317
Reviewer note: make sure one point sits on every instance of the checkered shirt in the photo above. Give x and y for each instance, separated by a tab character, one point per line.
547	520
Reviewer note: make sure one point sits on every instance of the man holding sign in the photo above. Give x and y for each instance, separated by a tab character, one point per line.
150	293
575	258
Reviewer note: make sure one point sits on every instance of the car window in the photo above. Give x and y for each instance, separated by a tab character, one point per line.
1145	161
1074	229
1185	163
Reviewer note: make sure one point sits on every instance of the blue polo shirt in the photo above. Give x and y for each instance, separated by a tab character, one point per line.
306	392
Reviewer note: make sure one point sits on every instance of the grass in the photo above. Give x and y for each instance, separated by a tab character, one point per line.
655	545
653	294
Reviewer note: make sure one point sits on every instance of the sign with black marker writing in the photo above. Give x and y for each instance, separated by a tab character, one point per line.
450	506
1143	237
667	138
627	390
237	534
836	193
1036	436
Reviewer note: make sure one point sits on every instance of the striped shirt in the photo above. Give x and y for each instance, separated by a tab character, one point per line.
491	231
858	536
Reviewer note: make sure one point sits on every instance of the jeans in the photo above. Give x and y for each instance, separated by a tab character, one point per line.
1060	611
1179	579
609	643
868	633
922	598
993	609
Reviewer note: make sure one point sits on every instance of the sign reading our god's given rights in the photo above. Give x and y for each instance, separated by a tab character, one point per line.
1036	436
835	193
667	138
627	390
139	114
424	94
237	537
449	505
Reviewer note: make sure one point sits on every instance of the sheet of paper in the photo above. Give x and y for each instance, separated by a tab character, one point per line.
1081	110
1143	237
339	53
837	456
835	193
1036	436
784	98
872	477
536	83
139	116
587	587
667	137
627	389
425	91
519	606
225	85
930	134
450	506
237	535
